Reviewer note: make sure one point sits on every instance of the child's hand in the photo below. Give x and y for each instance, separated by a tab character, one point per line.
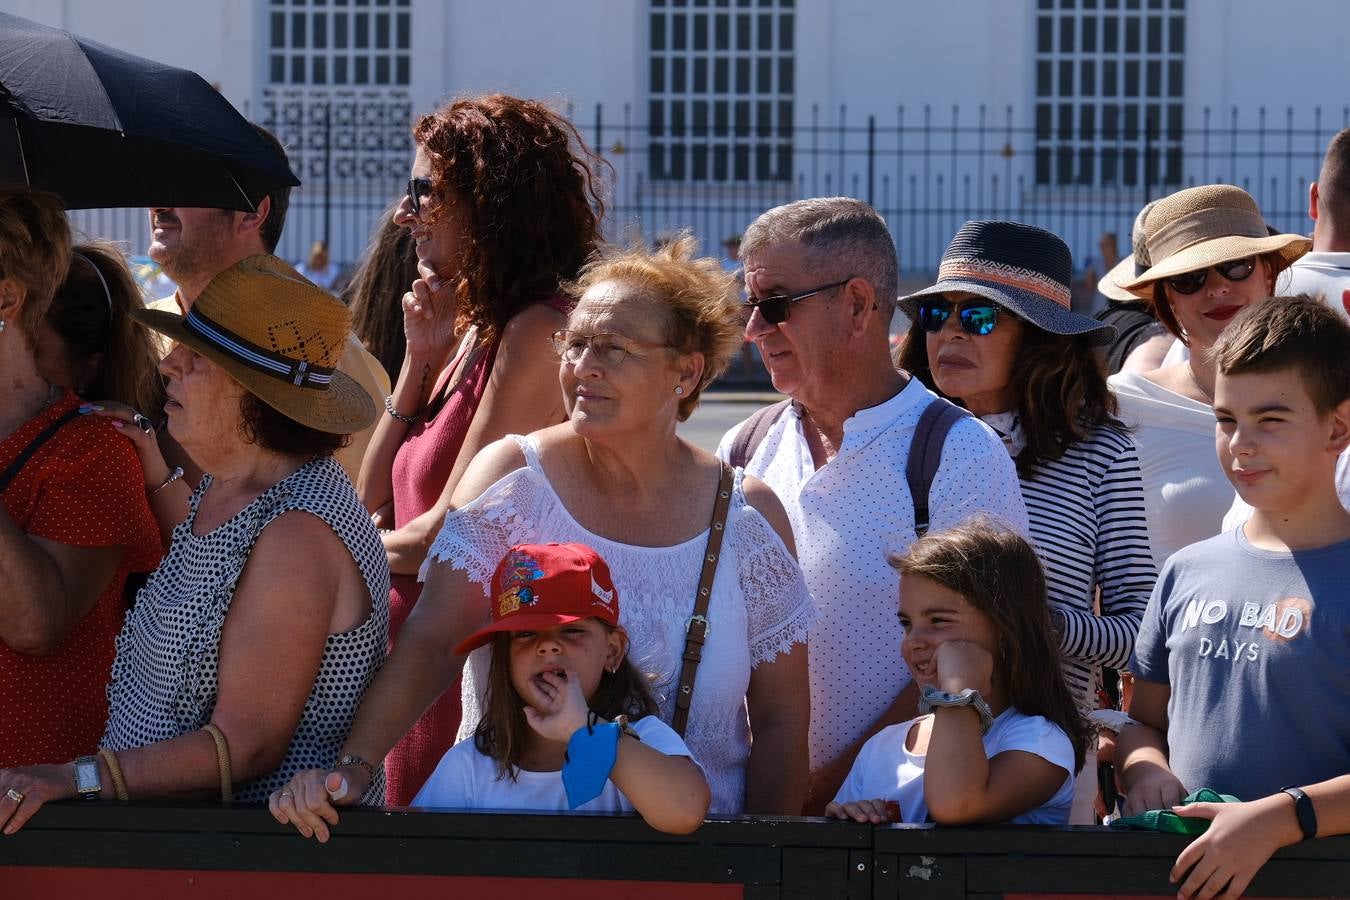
964	664
556	708
873	812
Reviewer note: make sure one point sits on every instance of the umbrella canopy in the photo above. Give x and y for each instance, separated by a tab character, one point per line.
103	128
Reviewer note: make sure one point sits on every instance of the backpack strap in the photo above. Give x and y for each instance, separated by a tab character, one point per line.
925	455
753	432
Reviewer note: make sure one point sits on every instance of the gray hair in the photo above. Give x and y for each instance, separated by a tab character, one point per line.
841	235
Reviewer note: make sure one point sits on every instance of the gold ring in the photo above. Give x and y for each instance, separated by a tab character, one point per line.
14	795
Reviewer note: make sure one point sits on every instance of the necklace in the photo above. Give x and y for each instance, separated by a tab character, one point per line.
1209	396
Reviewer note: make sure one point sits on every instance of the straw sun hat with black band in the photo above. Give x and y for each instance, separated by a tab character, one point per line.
280	337
1203	226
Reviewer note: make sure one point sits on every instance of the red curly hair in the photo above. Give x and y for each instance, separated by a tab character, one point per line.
525	180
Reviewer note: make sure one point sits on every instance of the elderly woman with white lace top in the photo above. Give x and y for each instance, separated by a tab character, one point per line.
648	334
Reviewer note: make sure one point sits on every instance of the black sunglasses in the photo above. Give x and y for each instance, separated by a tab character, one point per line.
417	189
977	317
1233	270
775	309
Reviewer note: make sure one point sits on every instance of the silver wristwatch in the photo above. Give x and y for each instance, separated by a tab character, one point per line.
88	784
932	697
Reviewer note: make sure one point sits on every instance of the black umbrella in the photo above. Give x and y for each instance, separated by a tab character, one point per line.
102	128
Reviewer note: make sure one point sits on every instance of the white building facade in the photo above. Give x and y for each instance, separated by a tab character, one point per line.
1066	113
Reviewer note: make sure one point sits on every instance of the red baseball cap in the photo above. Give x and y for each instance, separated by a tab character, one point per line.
540	586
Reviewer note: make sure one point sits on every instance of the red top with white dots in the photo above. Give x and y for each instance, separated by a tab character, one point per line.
83	487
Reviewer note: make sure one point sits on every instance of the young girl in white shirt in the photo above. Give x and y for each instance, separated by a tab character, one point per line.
568	721
1004	739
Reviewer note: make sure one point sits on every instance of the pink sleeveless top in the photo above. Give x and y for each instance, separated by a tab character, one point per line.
421	468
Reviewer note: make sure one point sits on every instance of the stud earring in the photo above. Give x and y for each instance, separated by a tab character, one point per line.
679	390
2	324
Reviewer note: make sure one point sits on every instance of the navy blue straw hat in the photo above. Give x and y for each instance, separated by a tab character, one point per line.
1025	269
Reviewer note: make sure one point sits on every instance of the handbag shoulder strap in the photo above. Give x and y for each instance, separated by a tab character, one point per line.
696	633
33	446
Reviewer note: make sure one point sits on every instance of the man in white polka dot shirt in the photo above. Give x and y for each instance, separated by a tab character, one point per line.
836	458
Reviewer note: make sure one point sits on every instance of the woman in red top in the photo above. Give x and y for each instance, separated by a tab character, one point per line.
74	521
502	207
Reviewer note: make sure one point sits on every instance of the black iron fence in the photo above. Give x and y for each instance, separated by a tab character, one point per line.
925	169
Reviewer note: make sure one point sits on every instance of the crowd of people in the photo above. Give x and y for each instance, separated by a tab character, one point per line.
900	595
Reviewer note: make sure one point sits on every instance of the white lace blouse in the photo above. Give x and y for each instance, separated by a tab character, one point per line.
759	608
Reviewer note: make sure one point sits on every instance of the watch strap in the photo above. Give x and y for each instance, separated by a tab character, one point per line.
932	698
1303	808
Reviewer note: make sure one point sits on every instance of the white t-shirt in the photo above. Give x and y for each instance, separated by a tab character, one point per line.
886	770
1185	490
467	779
847	517
1324	275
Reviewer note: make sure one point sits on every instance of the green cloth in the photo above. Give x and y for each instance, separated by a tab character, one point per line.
1170	822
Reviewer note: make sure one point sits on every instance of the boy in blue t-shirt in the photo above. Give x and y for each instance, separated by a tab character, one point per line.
1240	664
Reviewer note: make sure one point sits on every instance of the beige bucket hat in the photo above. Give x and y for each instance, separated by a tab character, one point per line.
1203	226
279	336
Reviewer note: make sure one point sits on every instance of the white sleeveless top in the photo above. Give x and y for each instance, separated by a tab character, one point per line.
759	608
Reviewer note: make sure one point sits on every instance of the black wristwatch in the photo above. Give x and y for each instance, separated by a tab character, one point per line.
1303	808
88	784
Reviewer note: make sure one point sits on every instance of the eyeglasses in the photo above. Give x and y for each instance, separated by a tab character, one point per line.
1233	270
977	317
610	349
418	188
775	309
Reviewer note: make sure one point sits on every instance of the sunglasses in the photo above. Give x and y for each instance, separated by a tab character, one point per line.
977	317
418	188
1233	270
775	309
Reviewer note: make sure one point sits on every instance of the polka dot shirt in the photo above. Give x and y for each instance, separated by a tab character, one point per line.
83	487
847	517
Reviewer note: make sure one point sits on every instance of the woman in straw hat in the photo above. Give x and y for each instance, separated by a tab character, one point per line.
1211	255
996	335
243	660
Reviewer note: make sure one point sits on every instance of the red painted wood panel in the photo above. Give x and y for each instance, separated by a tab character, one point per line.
22	882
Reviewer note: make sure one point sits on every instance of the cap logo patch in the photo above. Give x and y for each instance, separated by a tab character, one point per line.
521	569
602	597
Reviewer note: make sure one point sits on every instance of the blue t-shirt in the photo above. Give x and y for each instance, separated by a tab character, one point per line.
1255	645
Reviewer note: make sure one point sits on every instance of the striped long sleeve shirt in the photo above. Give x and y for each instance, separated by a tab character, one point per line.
1087	521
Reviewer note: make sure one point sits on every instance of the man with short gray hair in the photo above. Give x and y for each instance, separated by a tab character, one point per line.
822	276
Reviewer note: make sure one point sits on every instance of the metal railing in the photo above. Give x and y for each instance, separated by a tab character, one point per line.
926	170
137	851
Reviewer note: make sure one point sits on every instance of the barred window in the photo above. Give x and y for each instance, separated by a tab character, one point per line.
339	42
721	83
1110	83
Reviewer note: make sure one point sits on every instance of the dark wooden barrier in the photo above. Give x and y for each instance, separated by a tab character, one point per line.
153	852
